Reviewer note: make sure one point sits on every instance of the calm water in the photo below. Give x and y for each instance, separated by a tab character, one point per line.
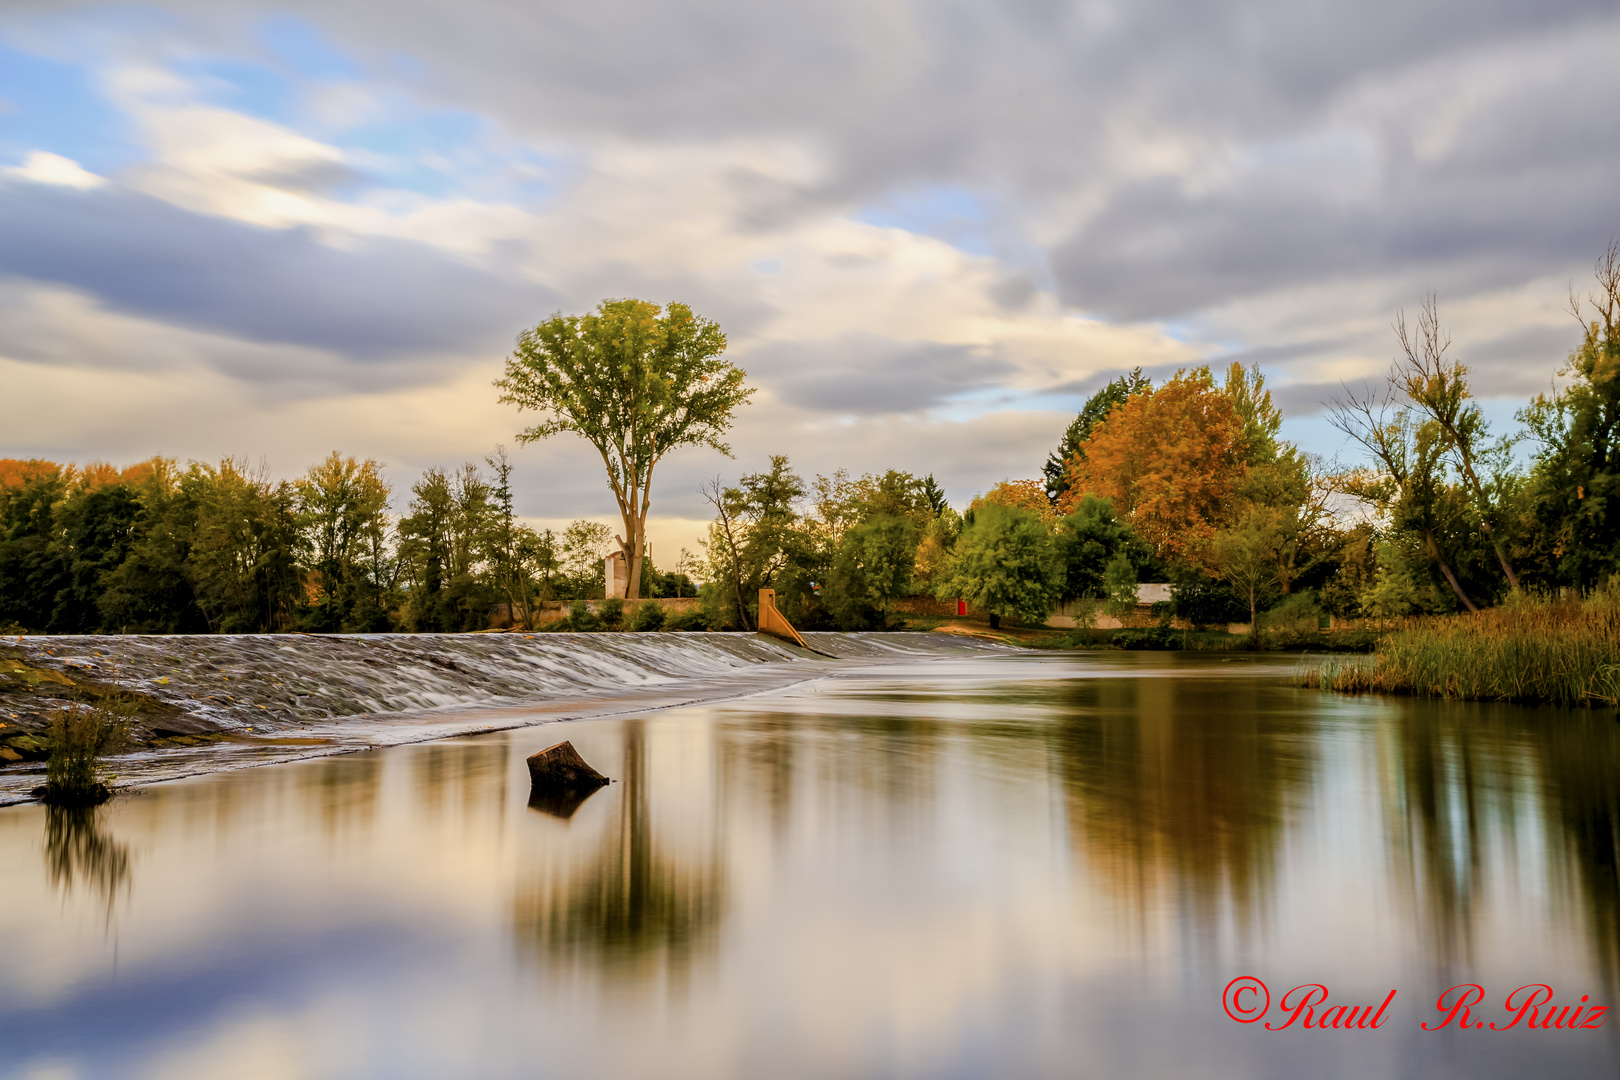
1017	867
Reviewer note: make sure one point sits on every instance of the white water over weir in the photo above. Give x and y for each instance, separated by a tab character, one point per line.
259	698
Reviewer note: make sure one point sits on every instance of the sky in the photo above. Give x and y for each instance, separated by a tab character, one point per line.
929	230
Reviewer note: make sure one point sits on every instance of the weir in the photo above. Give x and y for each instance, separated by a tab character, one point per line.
192	691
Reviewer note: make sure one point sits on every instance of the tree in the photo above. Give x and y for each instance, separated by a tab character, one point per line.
1408	484
1094	412
584	546
1438	386
635	384
1025	493
1090	539
874	566
1168	462
343	516
244	548
1007	564
1245	556
1119	585
758	539
1574	488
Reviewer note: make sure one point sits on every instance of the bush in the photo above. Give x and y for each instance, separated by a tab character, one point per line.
1298	613
580	618
649	616
1204	601
80	736
688	620
1148	637
611	612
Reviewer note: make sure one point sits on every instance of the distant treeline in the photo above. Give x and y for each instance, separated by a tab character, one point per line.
154	548
1189	482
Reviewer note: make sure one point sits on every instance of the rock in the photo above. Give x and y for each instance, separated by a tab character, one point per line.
561	768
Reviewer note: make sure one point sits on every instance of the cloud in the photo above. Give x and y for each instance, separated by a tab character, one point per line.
928	229
373	298
867	373
43	167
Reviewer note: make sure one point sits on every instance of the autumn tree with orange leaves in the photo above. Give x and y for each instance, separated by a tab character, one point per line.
1169	461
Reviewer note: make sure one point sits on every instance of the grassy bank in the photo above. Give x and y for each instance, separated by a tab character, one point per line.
1563	651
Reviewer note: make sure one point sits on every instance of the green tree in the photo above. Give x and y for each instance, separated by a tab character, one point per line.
32	572
441	541
154	590
1095	410
1090	539
874	566
98	528
758	540
1574	486
1245	556
635	384
1005	563
1119	585
242	560
1438	386
1407	483
343	518
584	547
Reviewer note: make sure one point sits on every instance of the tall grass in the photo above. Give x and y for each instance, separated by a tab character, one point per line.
1563	650
80	736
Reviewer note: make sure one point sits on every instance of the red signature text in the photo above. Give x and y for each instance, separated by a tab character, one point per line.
1246	1000
1531	1005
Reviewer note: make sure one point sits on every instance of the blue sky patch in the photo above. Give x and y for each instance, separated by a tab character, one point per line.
943	211
57	107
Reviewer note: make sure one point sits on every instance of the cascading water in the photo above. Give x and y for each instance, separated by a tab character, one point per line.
226	701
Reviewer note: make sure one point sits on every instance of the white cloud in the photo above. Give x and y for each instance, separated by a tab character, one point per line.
42	167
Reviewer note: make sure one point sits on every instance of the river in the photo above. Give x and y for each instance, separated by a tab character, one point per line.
970	866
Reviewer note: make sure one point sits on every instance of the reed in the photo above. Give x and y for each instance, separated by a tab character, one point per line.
1559	650
80	736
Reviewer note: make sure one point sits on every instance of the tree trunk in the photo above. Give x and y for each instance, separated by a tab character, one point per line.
995	621
1445	568
1501	556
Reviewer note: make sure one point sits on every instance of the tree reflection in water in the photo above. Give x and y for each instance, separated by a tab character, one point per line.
1456	782
1173	790
633	905
78	852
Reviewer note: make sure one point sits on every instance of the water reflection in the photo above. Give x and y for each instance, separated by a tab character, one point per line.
1174	791
633	904
1472	793
902	876
1580	764
560	803
79	852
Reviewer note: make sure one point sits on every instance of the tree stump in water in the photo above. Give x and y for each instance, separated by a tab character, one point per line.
560	768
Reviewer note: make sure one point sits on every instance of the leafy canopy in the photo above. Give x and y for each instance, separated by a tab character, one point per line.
635	381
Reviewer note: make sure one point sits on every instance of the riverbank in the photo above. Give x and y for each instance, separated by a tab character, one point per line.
1534	650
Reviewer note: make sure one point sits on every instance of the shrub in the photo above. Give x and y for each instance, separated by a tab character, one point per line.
580	618
1297	614
80	736
1148	637
649	616
688	620
611	612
